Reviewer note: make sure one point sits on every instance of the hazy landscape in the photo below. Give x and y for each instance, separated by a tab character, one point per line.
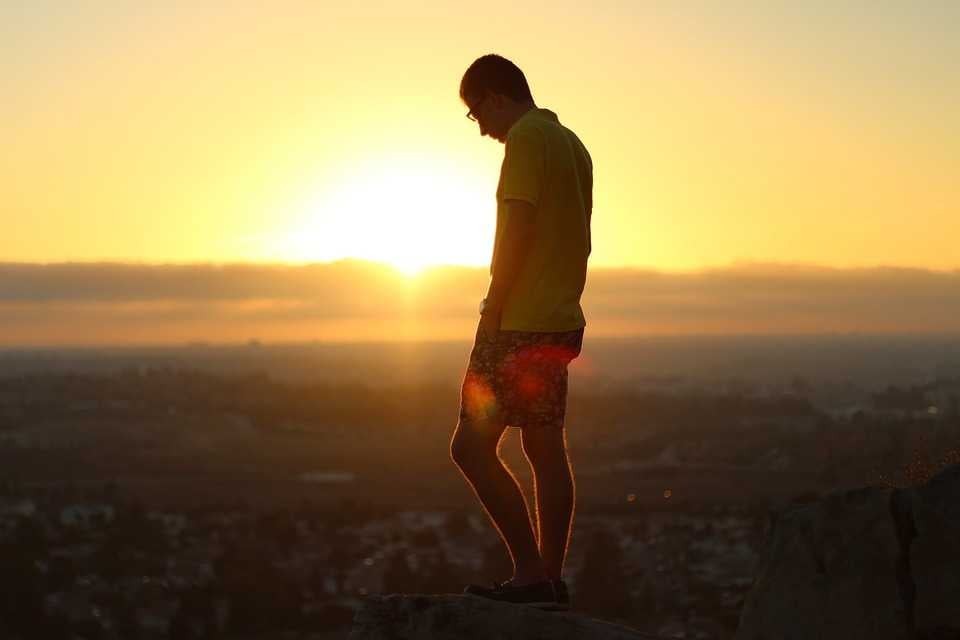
237	490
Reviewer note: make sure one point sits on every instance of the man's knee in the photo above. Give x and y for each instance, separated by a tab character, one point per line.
459	449
468	447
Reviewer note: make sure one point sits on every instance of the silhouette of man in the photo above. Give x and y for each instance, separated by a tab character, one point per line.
531	327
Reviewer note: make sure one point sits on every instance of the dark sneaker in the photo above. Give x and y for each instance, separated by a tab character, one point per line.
563	597
538	594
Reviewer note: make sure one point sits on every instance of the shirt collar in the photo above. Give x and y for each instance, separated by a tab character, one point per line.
536	112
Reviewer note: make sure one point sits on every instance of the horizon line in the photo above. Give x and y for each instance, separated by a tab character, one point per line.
733	265
258	343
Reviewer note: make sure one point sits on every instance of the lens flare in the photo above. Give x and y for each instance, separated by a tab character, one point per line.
478	398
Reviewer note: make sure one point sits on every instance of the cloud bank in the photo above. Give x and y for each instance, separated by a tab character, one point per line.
114	303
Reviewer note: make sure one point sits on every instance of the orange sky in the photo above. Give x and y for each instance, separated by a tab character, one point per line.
300	131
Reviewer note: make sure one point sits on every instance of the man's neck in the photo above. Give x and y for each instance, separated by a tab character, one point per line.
520	111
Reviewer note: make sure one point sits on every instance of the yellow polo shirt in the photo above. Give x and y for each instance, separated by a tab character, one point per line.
546	165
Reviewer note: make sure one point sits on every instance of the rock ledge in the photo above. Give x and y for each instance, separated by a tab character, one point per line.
875	562
460	617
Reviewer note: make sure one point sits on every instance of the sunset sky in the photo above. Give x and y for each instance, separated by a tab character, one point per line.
721	132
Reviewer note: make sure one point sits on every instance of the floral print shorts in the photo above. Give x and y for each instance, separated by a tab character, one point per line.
519	378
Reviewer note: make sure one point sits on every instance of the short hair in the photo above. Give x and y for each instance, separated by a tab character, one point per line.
497	74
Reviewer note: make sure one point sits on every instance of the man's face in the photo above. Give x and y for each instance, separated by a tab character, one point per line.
487	111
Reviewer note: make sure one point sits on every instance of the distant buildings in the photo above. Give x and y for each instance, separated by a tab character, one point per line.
937	400
86	516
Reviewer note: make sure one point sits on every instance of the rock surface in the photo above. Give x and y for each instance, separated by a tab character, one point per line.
934	561
871	563
459	617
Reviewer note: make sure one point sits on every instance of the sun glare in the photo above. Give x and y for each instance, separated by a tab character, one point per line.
410	267
401	211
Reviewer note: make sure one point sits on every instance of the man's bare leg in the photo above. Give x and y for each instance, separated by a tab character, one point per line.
474	449
555	493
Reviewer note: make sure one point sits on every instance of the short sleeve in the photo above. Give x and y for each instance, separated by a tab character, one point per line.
524	167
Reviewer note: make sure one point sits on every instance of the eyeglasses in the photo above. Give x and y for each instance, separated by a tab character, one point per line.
470	115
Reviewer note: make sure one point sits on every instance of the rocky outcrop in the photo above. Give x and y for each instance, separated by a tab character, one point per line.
931	516
871	563
456	617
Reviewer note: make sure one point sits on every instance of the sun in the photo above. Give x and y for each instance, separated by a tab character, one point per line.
410	267
404	211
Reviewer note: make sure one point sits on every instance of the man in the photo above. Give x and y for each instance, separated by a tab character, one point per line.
531	327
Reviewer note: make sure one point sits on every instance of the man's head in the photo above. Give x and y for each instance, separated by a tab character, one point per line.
496	93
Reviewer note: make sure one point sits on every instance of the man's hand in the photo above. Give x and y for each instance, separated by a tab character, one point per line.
490	322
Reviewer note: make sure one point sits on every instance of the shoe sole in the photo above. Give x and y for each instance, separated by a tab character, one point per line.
543	606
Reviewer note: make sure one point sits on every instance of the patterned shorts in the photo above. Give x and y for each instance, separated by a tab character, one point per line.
519	378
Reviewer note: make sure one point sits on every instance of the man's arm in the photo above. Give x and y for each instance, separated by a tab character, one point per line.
518	237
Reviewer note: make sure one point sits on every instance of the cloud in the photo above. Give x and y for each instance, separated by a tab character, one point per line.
771	298
113	282
106	303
